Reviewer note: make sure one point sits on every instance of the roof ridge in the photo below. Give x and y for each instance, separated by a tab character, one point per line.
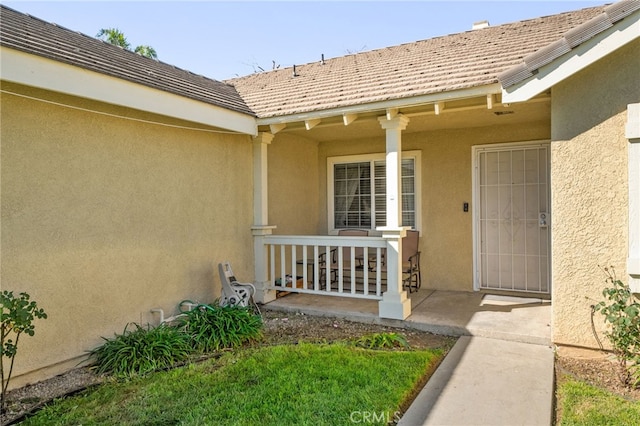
325	62
571	39
106	43
457	61
36	36
462	60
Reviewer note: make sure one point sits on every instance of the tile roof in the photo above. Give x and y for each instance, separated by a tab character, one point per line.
457	61
32	35
572	38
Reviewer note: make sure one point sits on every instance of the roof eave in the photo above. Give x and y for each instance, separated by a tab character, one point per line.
429	99
31	70
541	79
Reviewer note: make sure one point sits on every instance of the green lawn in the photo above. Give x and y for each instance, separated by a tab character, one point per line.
582	404
277	385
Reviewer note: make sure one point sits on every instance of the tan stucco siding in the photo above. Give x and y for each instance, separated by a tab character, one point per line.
104	219
589	189
446	235
293	185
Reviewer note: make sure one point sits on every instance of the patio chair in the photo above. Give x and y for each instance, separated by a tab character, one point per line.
329	261
411	275
234	293
346	253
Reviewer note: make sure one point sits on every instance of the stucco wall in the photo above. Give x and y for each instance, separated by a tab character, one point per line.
446	235
293	185
104	219
589	189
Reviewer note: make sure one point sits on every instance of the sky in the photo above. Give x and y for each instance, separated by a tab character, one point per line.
226	39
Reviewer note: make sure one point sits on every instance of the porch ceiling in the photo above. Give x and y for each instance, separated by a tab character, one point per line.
459	114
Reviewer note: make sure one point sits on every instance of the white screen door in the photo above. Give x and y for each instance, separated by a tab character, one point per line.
512	218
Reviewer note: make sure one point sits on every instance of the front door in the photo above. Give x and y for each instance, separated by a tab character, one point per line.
512	217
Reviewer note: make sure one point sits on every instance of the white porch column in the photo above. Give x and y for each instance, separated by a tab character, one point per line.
394	303
261	228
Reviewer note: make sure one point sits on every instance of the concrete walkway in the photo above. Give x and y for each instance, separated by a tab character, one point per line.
452	313
500	372
485	381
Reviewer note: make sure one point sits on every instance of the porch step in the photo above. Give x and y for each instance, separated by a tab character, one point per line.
518	319
487	382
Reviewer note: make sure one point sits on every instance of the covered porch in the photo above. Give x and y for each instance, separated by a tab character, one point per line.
454	313
391	168
298	212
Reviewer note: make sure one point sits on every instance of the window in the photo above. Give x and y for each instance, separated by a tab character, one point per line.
633	134
357	191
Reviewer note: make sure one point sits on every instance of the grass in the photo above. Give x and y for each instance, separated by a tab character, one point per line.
582	404
275	385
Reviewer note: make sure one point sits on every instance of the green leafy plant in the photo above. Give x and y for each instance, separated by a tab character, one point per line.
382	341
139	350
212	328
621	311
299	384
16	315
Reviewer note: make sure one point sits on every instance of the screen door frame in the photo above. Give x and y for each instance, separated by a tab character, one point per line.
476	150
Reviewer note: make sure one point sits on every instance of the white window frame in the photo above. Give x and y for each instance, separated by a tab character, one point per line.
632	133
331	161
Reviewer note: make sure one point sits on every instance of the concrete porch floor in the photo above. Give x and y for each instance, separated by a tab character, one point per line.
518	319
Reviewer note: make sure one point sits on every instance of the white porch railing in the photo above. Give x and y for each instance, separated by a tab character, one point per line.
345	266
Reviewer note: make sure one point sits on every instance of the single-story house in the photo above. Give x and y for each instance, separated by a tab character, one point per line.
514	151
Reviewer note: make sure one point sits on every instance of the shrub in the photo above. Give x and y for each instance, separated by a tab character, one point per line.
382	341
140	350
622	311
16	317
212	328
